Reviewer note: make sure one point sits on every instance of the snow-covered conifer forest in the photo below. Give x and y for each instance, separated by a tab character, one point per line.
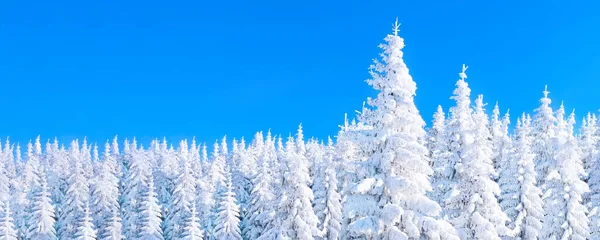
386	175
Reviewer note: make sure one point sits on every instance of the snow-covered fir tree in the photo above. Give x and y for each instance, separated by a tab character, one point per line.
566	216
589	143
183	198
242	172
501	142
261	217
41	214
148	224
473	205
105	195
298	220
315	156
331	225
352	161
543	133
5	185
458	132
439	154
85	230
76	198
218	180
191	226
395	192
7	226
227	221
114	229
525	198
506	167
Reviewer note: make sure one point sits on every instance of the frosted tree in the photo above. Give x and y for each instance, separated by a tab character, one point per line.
104	196
242	172
27	184
458	135
300	145
270	151
473	205
195	160
149	219
589	142
350	156
295	206
183	198
112	231
204	196
85	230
8	160
543	133
217	178
261	222
135	189
227	222
395	205
566	216
7	226
217	168
76	198
315	155
191	226
440	158
524	200
331	225
57	174
501	142
4	185
166	172
506	165
86	158
225	151
41	215
30	174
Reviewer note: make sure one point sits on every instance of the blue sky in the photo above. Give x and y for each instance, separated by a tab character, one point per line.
209	68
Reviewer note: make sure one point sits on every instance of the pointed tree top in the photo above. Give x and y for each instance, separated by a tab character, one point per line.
345	119
463	74
440	108
396	27
546	91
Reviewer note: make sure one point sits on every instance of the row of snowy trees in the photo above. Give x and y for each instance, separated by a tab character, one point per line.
385	177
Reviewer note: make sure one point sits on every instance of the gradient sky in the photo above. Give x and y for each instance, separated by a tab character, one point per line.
212	68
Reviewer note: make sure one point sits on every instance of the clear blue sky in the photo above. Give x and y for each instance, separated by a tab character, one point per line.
209	68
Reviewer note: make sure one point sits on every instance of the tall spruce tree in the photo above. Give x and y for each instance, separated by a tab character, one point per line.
298	220
227	221
7	226
590	143
528	204
475	211
543	133
566	216
41	214
439	153
396	190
